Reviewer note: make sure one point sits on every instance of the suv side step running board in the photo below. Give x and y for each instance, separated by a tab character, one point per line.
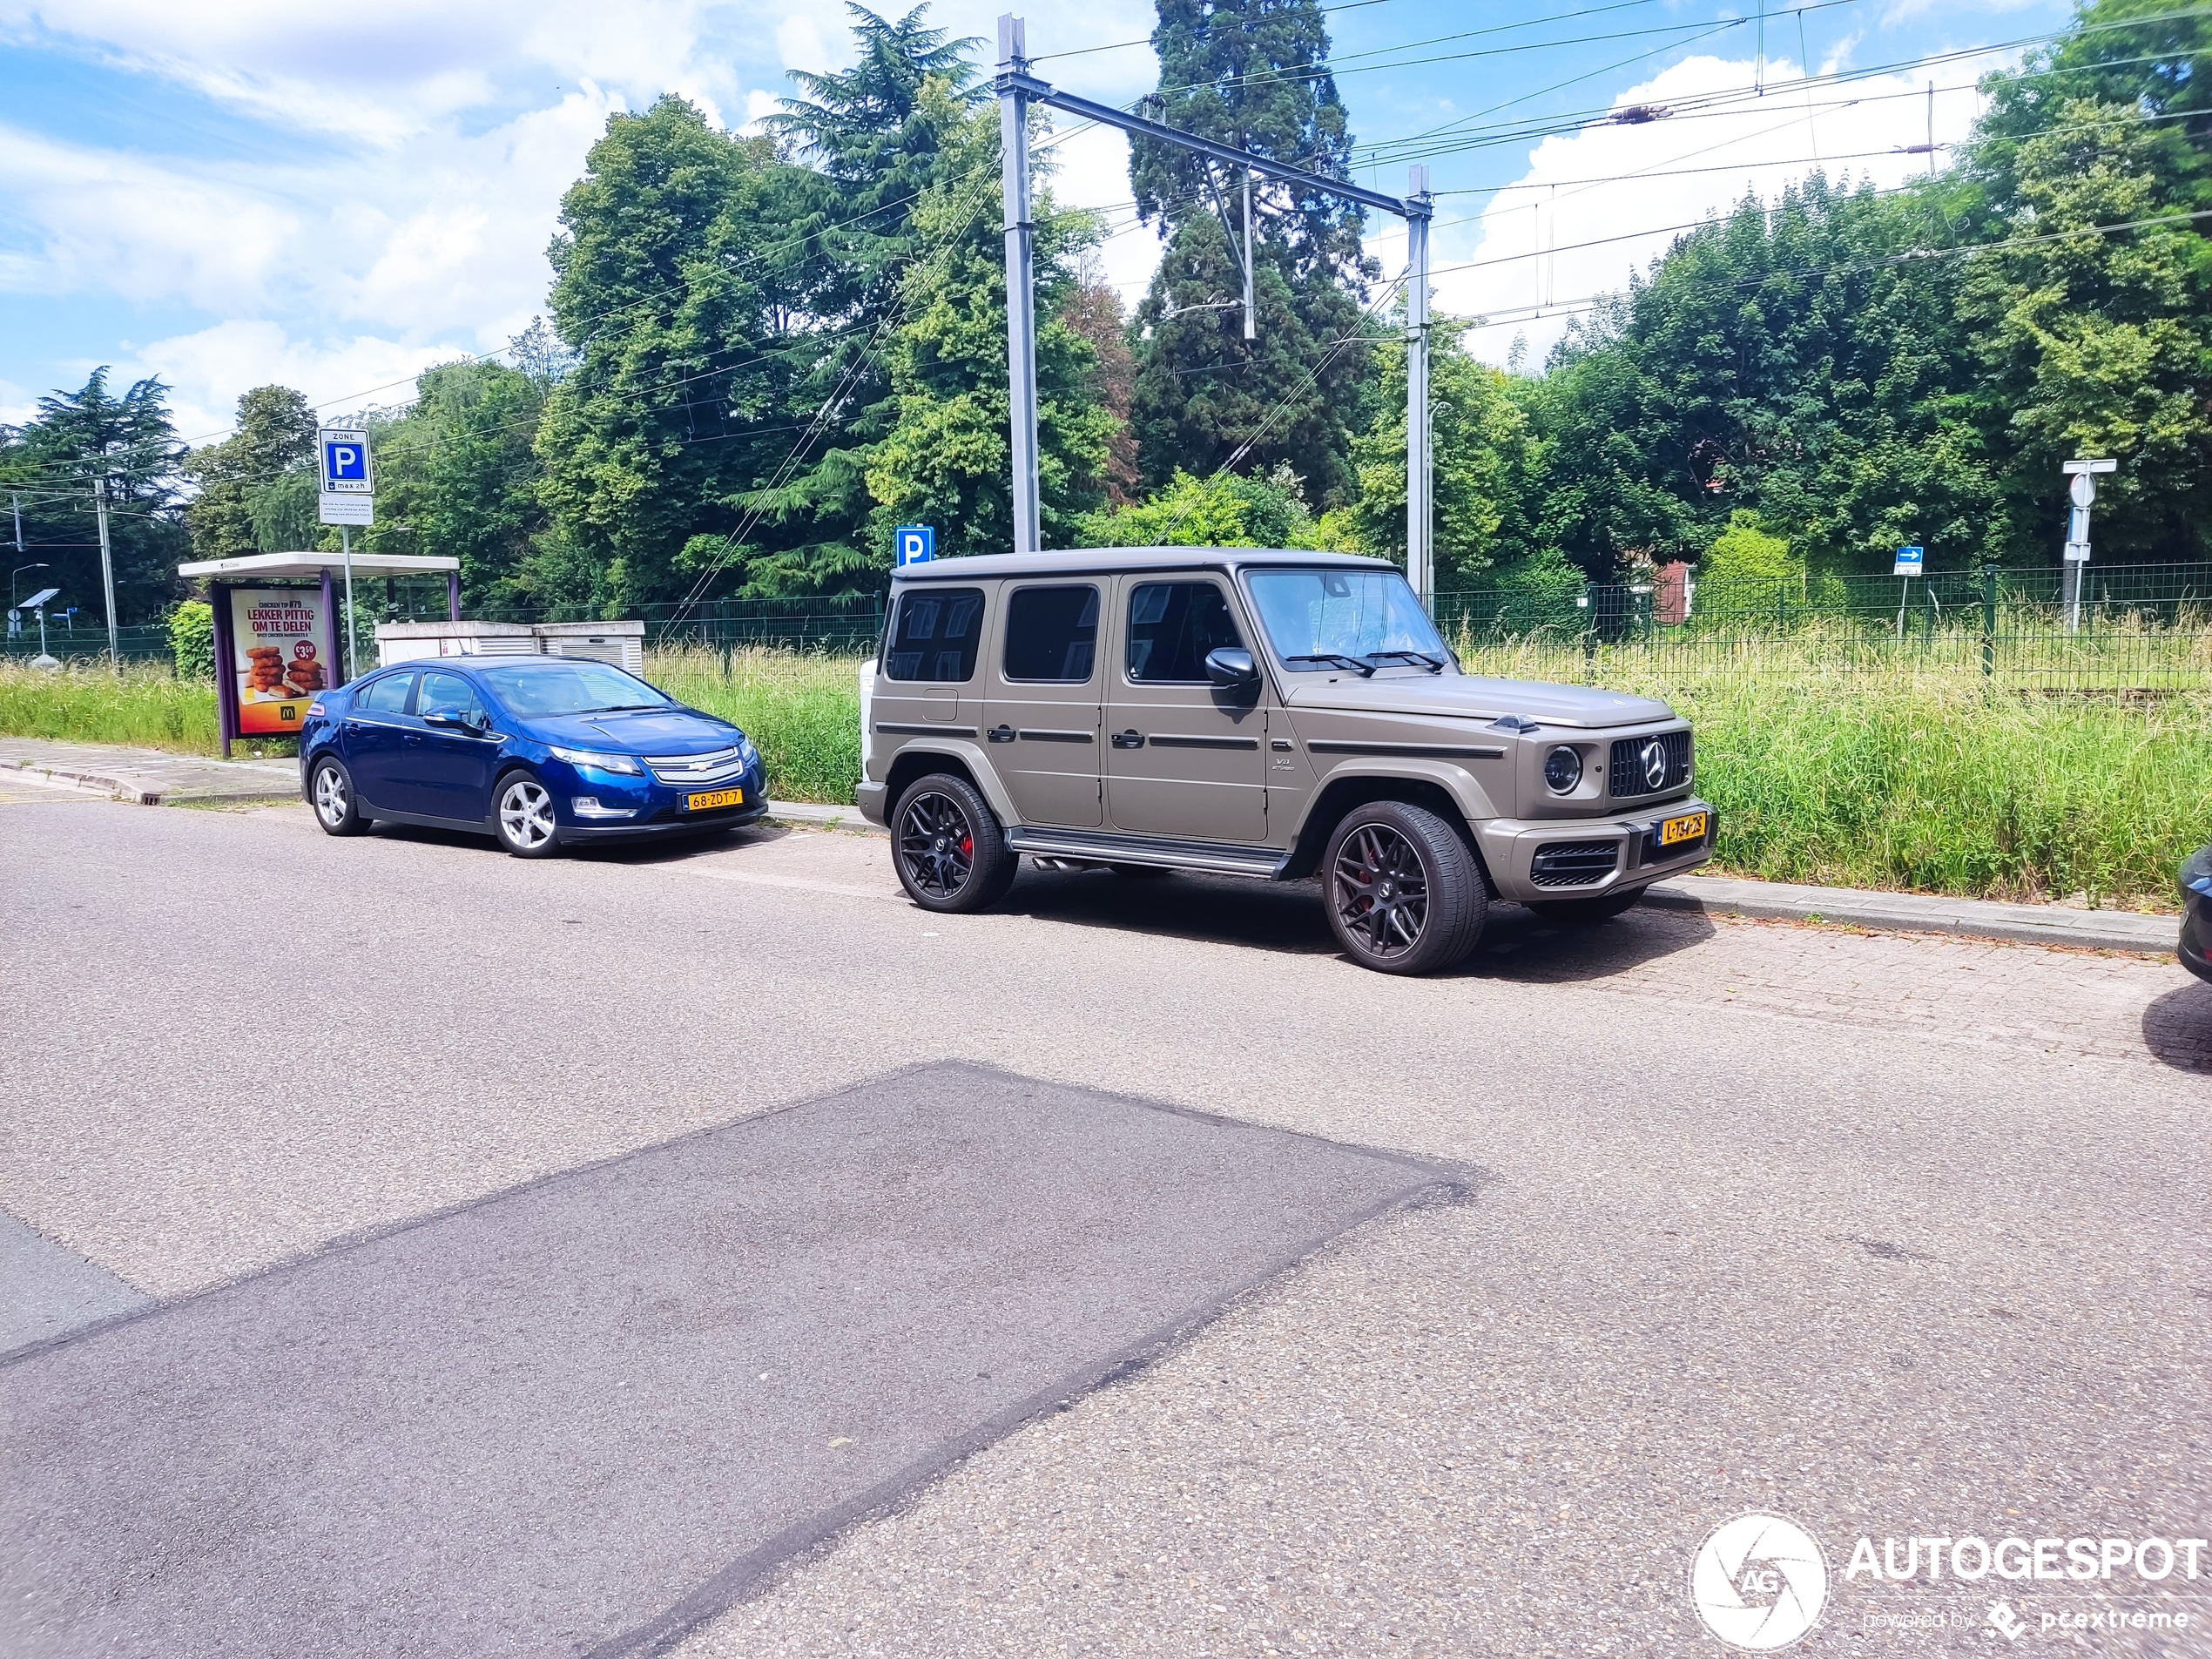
1092	847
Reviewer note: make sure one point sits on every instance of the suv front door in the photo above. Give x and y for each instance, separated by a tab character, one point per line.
1183	760
1042	703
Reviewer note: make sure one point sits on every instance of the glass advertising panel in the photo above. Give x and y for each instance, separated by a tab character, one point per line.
276	641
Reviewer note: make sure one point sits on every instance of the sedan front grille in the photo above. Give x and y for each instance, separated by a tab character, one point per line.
715	767
1573	864
1632	769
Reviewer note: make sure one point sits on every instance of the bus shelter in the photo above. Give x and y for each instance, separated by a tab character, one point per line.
278	638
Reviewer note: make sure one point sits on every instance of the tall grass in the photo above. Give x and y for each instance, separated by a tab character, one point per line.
145	705
802	710
1927	781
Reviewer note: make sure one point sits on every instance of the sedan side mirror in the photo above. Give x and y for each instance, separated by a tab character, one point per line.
451	719
1231	668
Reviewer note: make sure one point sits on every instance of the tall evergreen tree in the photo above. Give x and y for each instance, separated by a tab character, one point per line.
93	440
1251	73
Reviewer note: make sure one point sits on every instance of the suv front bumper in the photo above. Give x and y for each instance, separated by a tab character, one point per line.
1566	857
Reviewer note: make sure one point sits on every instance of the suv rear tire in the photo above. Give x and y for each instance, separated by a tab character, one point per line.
951	854
1584	912
1404	893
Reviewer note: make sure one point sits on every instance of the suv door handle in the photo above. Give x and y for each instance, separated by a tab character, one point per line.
1000	734
1130	740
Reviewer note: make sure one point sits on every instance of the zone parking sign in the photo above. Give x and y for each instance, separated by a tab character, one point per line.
914	544
348	492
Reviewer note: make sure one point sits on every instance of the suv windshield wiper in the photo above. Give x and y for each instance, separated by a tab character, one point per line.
1434	665
1358	665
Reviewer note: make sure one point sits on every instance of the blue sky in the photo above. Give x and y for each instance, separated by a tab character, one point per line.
241	190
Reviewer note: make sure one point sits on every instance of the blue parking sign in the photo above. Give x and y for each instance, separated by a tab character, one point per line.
344	461
913	544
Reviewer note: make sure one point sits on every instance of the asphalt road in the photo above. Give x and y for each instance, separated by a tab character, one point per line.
1887	1236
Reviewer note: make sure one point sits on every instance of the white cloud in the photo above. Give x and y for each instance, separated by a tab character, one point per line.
145	230
1554	237
206	371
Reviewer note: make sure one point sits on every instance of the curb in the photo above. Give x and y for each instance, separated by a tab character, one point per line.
1920	913
28	772
809	815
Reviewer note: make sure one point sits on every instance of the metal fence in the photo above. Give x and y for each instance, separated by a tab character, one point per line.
88	643
2135	628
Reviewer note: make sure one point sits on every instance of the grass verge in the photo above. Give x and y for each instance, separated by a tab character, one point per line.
1914	781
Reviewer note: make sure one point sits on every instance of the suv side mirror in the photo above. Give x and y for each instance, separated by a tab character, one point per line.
1231	668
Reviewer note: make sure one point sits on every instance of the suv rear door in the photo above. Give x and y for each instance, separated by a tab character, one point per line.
1183	760
1042	702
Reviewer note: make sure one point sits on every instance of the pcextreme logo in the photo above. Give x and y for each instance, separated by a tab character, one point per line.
1759	1581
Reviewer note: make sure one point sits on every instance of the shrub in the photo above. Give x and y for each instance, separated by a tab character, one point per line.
192	640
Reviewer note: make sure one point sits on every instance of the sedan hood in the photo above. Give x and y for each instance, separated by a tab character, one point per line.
1469	697
647	731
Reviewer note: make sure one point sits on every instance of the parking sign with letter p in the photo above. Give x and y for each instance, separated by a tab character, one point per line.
913	544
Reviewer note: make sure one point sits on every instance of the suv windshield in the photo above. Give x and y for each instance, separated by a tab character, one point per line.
1318	619
571	688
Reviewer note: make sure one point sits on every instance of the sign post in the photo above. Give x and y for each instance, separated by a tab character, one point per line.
913	544
1910	562
348	498
2081	491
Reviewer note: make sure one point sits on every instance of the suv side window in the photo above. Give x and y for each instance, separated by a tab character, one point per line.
388	695
1052	634
1171	627
936	635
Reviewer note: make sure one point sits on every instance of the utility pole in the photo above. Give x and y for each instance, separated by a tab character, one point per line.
1017	89
1420	553
1932	131
1250	329
1021	290
107	570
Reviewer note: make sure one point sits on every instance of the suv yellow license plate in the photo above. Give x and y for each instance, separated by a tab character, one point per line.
713	798
1689	827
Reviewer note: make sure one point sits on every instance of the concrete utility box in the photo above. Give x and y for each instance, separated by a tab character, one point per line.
620	643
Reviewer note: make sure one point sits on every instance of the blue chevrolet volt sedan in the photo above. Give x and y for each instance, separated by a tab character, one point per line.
540	752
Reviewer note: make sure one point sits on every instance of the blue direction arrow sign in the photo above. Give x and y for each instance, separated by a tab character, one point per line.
1910	560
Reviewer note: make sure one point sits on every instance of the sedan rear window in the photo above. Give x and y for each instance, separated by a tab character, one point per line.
569	688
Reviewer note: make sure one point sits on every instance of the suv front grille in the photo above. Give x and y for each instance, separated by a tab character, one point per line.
1573	864
1630	773
710	768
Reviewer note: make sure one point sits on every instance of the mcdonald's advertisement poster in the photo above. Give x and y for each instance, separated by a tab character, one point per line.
278	636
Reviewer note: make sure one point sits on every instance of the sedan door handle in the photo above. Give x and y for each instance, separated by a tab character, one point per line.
1130	740
1000	734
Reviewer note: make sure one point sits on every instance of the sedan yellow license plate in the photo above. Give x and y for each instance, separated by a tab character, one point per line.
708	800
1689	826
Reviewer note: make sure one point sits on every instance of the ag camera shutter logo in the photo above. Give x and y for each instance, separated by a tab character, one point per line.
1759	1581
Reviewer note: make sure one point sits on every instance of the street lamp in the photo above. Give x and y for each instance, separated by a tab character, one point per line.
18	571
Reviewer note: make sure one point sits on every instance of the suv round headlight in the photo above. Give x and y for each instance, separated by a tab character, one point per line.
1563	770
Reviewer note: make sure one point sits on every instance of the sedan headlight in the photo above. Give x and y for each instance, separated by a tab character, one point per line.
747	755
1563	770
594	760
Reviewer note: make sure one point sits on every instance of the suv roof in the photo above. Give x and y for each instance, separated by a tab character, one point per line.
1099	561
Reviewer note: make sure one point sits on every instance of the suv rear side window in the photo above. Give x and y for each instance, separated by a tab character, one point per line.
1052	634
1171	627
936	635
388	695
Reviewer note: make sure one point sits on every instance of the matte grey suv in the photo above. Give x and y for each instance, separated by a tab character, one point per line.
1268	714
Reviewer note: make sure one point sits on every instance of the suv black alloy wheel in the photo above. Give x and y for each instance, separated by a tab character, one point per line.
1404	893
951	854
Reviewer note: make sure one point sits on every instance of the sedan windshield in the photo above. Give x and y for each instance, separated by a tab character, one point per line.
571	688
1323	619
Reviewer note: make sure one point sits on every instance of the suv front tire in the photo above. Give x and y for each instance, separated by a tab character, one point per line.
951	854
1405	894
